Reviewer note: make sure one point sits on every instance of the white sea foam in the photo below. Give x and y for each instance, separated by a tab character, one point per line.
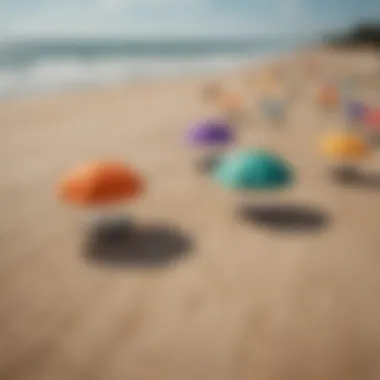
70	73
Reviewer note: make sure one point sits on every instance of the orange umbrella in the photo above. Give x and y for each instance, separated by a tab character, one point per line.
100	184
231	102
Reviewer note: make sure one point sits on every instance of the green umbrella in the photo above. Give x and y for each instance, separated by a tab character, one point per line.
254	169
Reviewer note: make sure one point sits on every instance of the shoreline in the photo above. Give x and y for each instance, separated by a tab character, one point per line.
206	75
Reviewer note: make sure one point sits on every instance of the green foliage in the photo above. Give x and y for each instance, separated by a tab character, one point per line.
363	34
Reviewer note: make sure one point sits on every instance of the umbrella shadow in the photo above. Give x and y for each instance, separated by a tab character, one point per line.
285	217
356	178
147	247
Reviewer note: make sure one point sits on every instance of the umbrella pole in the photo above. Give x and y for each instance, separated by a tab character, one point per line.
243	202
110	220
209	159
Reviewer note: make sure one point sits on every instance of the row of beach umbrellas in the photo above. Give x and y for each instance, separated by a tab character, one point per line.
104	186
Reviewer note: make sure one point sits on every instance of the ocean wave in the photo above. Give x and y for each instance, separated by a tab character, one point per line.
62	74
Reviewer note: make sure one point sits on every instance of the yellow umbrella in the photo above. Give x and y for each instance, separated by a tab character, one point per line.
344	146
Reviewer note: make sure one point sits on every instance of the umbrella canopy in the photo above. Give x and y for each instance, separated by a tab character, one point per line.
344	146
372	119
231	102
356	111
254	169
100	184
273	108
347	86
210	133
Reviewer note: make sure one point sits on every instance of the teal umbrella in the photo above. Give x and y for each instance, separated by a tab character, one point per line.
254	169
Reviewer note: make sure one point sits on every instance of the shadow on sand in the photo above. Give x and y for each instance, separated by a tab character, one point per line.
145	247
285	217
356	178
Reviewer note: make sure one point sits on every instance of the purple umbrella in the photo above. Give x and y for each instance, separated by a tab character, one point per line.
356	111
213	136
210	133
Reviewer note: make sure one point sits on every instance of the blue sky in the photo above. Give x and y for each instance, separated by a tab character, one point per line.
50	18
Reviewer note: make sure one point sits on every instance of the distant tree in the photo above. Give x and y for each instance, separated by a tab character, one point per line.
362	34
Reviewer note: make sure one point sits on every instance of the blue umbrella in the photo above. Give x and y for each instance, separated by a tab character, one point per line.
273	109
347	87
356	111
254	169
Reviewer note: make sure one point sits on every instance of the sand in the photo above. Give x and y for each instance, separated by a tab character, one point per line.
247	301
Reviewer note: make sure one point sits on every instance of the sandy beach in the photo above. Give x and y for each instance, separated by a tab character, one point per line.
245	302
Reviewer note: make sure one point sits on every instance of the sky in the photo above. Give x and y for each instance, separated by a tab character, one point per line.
102	18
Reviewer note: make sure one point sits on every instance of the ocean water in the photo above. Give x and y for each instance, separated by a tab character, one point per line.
34	66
